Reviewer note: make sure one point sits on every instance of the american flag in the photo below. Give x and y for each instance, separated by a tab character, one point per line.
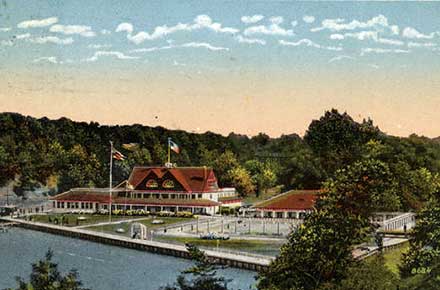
118	155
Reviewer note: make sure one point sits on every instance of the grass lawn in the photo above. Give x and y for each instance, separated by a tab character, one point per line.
269	248
111	229
72	219
392	257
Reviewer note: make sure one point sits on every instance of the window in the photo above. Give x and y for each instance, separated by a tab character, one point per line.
151	183
168	184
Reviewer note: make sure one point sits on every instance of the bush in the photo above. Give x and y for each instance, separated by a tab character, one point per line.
184	214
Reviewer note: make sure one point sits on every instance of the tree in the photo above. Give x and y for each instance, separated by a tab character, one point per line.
203	274
318	253
262	174
368	275
337	139
82	170
239	178
425	243
45	276
429	280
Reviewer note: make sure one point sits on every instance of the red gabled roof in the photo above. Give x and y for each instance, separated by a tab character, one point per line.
83	195
291	200
192	179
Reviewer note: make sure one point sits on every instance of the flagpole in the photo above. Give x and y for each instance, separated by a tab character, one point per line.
169	150
110	183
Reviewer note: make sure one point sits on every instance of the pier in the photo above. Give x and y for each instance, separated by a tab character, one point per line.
237	260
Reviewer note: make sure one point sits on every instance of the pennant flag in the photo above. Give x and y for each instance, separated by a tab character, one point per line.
174	147
118	155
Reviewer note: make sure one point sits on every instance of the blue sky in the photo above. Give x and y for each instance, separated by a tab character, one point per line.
236	49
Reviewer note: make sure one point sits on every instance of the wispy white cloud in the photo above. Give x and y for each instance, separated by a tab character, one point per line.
375	66
38	22
305	42
412	33
242	39
5	29
6	43
99	46
366	35
51	59
125	27
51	39
390	41
176	63
200	22
382	50
310	43
272	29
361	35
184	45
421	44
116	54
105	32
309	19
204	45
340	57
22	36
340	24
252	19
82	30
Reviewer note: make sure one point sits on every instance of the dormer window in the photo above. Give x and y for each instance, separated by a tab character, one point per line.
168	184
152	184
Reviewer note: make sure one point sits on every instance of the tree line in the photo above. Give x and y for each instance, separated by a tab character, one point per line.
62	154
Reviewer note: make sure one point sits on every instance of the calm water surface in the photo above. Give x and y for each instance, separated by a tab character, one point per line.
101	267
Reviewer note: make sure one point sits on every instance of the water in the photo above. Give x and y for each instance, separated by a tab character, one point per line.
101	267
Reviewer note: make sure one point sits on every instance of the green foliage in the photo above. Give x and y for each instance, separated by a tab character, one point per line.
45	276
336	138
425	243
241	180
428	280
318	253
368	275
203	275
61	154
263	174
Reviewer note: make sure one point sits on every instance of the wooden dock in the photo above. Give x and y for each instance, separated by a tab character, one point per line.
236	260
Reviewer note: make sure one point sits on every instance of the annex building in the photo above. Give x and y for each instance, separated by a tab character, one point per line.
291	204
155	189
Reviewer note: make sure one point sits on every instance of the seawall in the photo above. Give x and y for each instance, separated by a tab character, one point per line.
247	262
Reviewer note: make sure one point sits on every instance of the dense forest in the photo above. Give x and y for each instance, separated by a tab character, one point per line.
61	154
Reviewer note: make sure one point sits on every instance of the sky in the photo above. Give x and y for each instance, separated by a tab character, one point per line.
223	66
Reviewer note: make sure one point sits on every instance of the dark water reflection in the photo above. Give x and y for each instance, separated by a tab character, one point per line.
101	267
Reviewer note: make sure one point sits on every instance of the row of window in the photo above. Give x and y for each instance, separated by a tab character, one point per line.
73	205
160	196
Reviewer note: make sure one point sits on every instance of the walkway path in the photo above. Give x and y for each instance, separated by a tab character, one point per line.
112	223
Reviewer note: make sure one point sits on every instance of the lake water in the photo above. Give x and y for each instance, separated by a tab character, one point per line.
101	267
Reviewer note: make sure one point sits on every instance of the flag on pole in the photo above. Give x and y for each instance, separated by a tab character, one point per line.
174	147
118	155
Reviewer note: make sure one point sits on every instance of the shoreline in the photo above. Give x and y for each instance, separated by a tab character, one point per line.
246	262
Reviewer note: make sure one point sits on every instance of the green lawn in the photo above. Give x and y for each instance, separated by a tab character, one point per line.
72	219
392	257
261	247
111	229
